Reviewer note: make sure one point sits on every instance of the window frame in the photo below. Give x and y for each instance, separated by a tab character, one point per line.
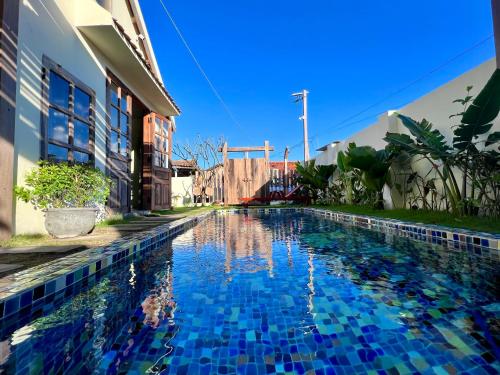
49	65
163	137
121	91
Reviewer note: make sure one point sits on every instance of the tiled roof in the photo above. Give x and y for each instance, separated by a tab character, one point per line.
183	164
280	165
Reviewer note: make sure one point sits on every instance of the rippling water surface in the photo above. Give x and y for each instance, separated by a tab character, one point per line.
274	293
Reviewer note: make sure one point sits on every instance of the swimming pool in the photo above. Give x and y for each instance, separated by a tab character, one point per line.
273	292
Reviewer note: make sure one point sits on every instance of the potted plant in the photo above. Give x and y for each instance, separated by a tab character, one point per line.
68	194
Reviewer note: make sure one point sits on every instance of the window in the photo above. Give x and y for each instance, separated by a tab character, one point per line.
160	158
68	119
119	121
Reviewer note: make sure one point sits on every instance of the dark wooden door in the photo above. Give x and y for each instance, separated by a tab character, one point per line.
156	170
119	111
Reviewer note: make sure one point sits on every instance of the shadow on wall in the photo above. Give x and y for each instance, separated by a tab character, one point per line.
8	85
30	85
185	198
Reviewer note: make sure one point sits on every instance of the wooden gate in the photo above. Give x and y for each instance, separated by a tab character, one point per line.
245	178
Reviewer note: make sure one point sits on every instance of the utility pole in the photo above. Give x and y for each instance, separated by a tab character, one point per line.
302	96
285	174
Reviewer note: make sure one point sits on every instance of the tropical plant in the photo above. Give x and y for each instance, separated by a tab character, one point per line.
315	178
63	185
479	166
348	176
418	191
374	167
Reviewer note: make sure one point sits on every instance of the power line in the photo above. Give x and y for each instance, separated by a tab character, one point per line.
198	65
369	117
399	91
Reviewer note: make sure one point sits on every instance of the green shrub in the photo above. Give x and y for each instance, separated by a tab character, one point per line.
62	185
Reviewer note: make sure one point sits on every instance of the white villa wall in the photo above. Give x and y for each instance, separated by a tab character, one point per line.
326	157
436	107
44	30
182	191
48	28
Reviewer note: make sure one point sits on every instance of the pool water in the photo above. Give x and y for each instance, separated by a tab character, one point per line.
265	293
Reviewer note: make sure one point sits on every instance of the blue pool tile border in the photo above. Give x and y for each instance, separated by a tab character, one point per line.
23	290
418	231
437	234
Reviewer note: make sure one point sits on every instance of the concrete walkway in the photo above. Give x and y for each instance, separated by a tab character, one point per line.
18	258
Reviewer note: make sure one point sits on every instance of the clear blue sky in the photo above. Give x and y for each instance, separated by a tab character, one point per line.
348	54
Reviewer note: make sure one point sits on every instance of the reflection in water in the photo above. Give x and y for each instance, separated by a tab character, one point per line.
310	284
156	304
265	293
248	239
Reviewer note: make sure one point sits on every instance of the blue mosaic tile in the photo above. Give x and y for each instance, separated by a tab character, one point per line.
26	299
64	272
447	234
12	305
266	291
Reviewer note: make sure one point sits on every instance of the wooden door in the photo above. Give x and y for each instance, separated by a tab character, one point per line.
119	111
156	170
246	178
256	171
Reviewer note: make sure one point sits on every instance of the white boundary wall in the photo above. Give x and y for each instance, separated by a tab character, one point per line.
436	107
182	191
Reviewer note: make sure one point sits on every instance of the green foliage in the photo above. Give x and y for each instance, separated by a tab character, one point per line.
492	139
477	118
431	145
374	168
315	178
424	216
427	140
349	177
62	185
480	191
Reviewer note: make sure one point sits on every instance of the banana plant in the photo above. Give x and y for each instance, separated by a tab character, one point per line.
315	178
476	121
431	145
374	166
477	118
347	173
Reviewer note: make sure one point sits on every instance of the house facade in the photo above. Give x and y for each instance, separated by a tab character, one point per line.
80	83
